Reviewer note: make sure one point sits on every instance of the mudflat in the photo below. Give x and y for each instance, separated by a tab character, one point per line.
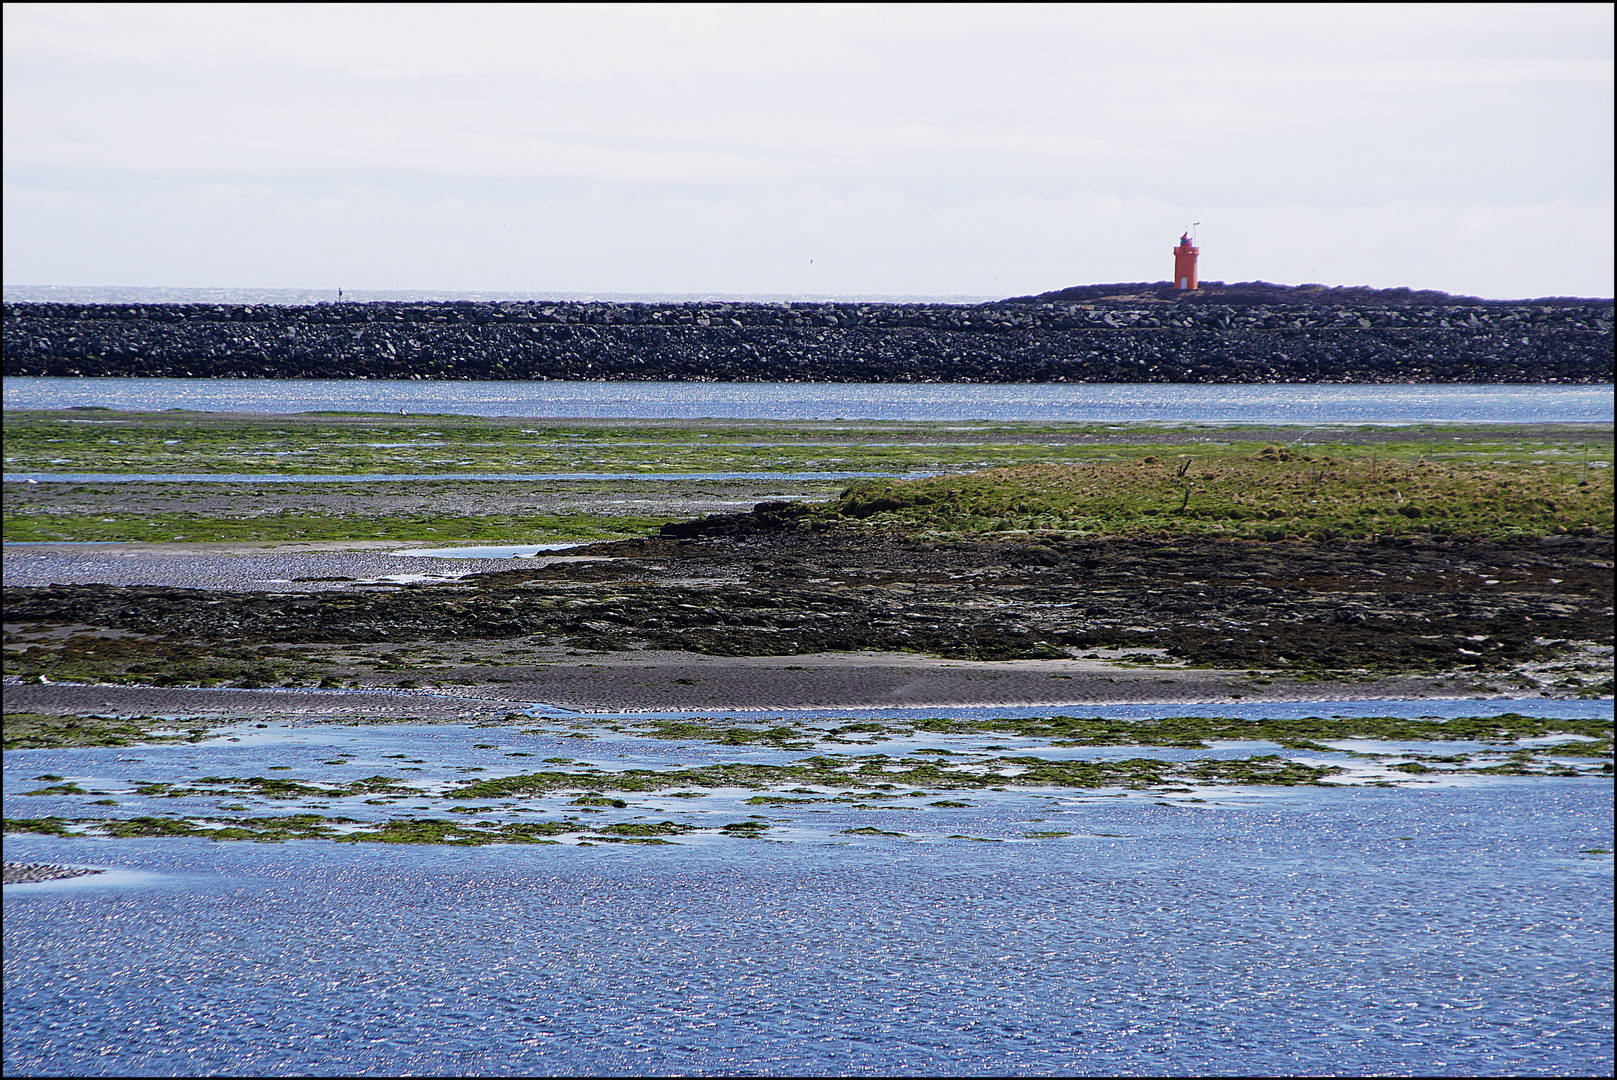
861	617
1096	566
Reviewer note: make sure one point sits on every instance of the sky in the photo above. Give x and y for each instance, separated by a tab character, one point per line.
951	150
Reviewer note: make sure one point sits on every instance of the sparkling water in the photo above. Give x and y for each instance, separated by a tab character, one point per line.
1073	402
1452	927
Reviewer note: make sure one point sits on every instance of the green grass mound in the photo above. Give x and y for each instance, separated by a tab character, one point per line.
1273	494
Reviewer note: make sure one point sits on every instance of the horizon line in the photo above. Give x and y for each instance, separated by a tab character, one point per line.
299	296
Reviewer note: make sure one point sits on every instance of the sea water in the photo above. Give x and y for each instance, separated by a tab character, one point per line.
1447	932
1453	926
1116	403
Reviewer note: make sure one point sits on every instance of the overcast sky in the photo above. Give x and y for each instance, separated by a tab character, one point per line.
994	150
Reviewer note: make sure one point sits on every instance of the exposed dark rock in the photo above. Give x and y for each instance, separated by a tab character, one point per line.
1219	336
765	517
1407	605
33	873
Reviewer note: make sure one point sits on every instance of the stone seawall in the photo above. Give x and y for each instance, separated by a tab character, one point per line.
1097	341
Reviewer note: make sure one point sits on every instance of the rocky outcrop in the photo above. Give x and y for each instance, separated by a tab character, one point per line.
1396	604
764	518
1119	338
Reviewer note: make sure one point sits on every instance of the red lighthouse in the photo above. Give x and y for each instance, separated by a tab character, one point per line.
1184	263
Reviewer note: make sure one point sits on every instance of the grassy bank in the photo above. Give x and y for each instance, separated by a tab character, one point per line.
1267	493
988	478
329	445
177	442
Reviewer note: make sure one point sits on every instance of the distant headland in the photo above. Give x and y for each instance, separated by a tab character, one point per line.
1246	293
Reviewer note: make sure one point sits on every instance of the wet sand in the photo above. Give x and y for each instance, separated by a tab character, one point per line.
70	699
659	681
316	566
606	632
669	681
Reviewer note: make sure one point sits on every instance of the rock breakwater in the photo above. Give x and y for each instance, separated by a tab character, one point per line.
1140	338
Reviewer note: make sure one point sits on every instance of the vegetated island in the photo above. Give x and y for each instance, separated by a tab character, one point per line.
1250	332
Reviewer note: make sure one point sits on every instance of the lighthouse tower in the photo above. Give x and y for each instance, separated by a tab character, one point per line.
1184	263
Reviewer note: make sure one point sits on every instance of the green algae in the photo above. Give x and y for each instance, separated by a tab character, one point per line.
784	736
309	827
412	830
1051	478
744	828
1593	748
630	828
314	443
852	772
317	442
51	826
862	781
275	788
1195	732
439	831
1181	732
41	731
599	800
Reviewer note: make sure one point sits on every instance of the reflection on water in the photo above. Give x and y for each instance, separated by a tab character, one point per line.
1087	402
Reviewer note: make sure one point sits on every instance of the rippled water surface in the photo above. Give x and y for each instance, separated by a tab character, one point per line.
1091	402
1454	928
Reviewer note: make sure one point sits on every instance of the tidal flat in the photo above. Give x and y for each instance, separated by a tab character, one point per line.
1016	563
368	477
1157	748
528	778
1148	563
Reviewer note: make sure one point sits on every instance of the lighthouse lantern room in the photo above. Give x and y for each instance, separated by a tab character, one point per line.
1184	263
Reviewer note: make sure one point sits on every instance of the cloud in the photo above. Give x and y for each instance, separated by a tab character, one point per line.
717	146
